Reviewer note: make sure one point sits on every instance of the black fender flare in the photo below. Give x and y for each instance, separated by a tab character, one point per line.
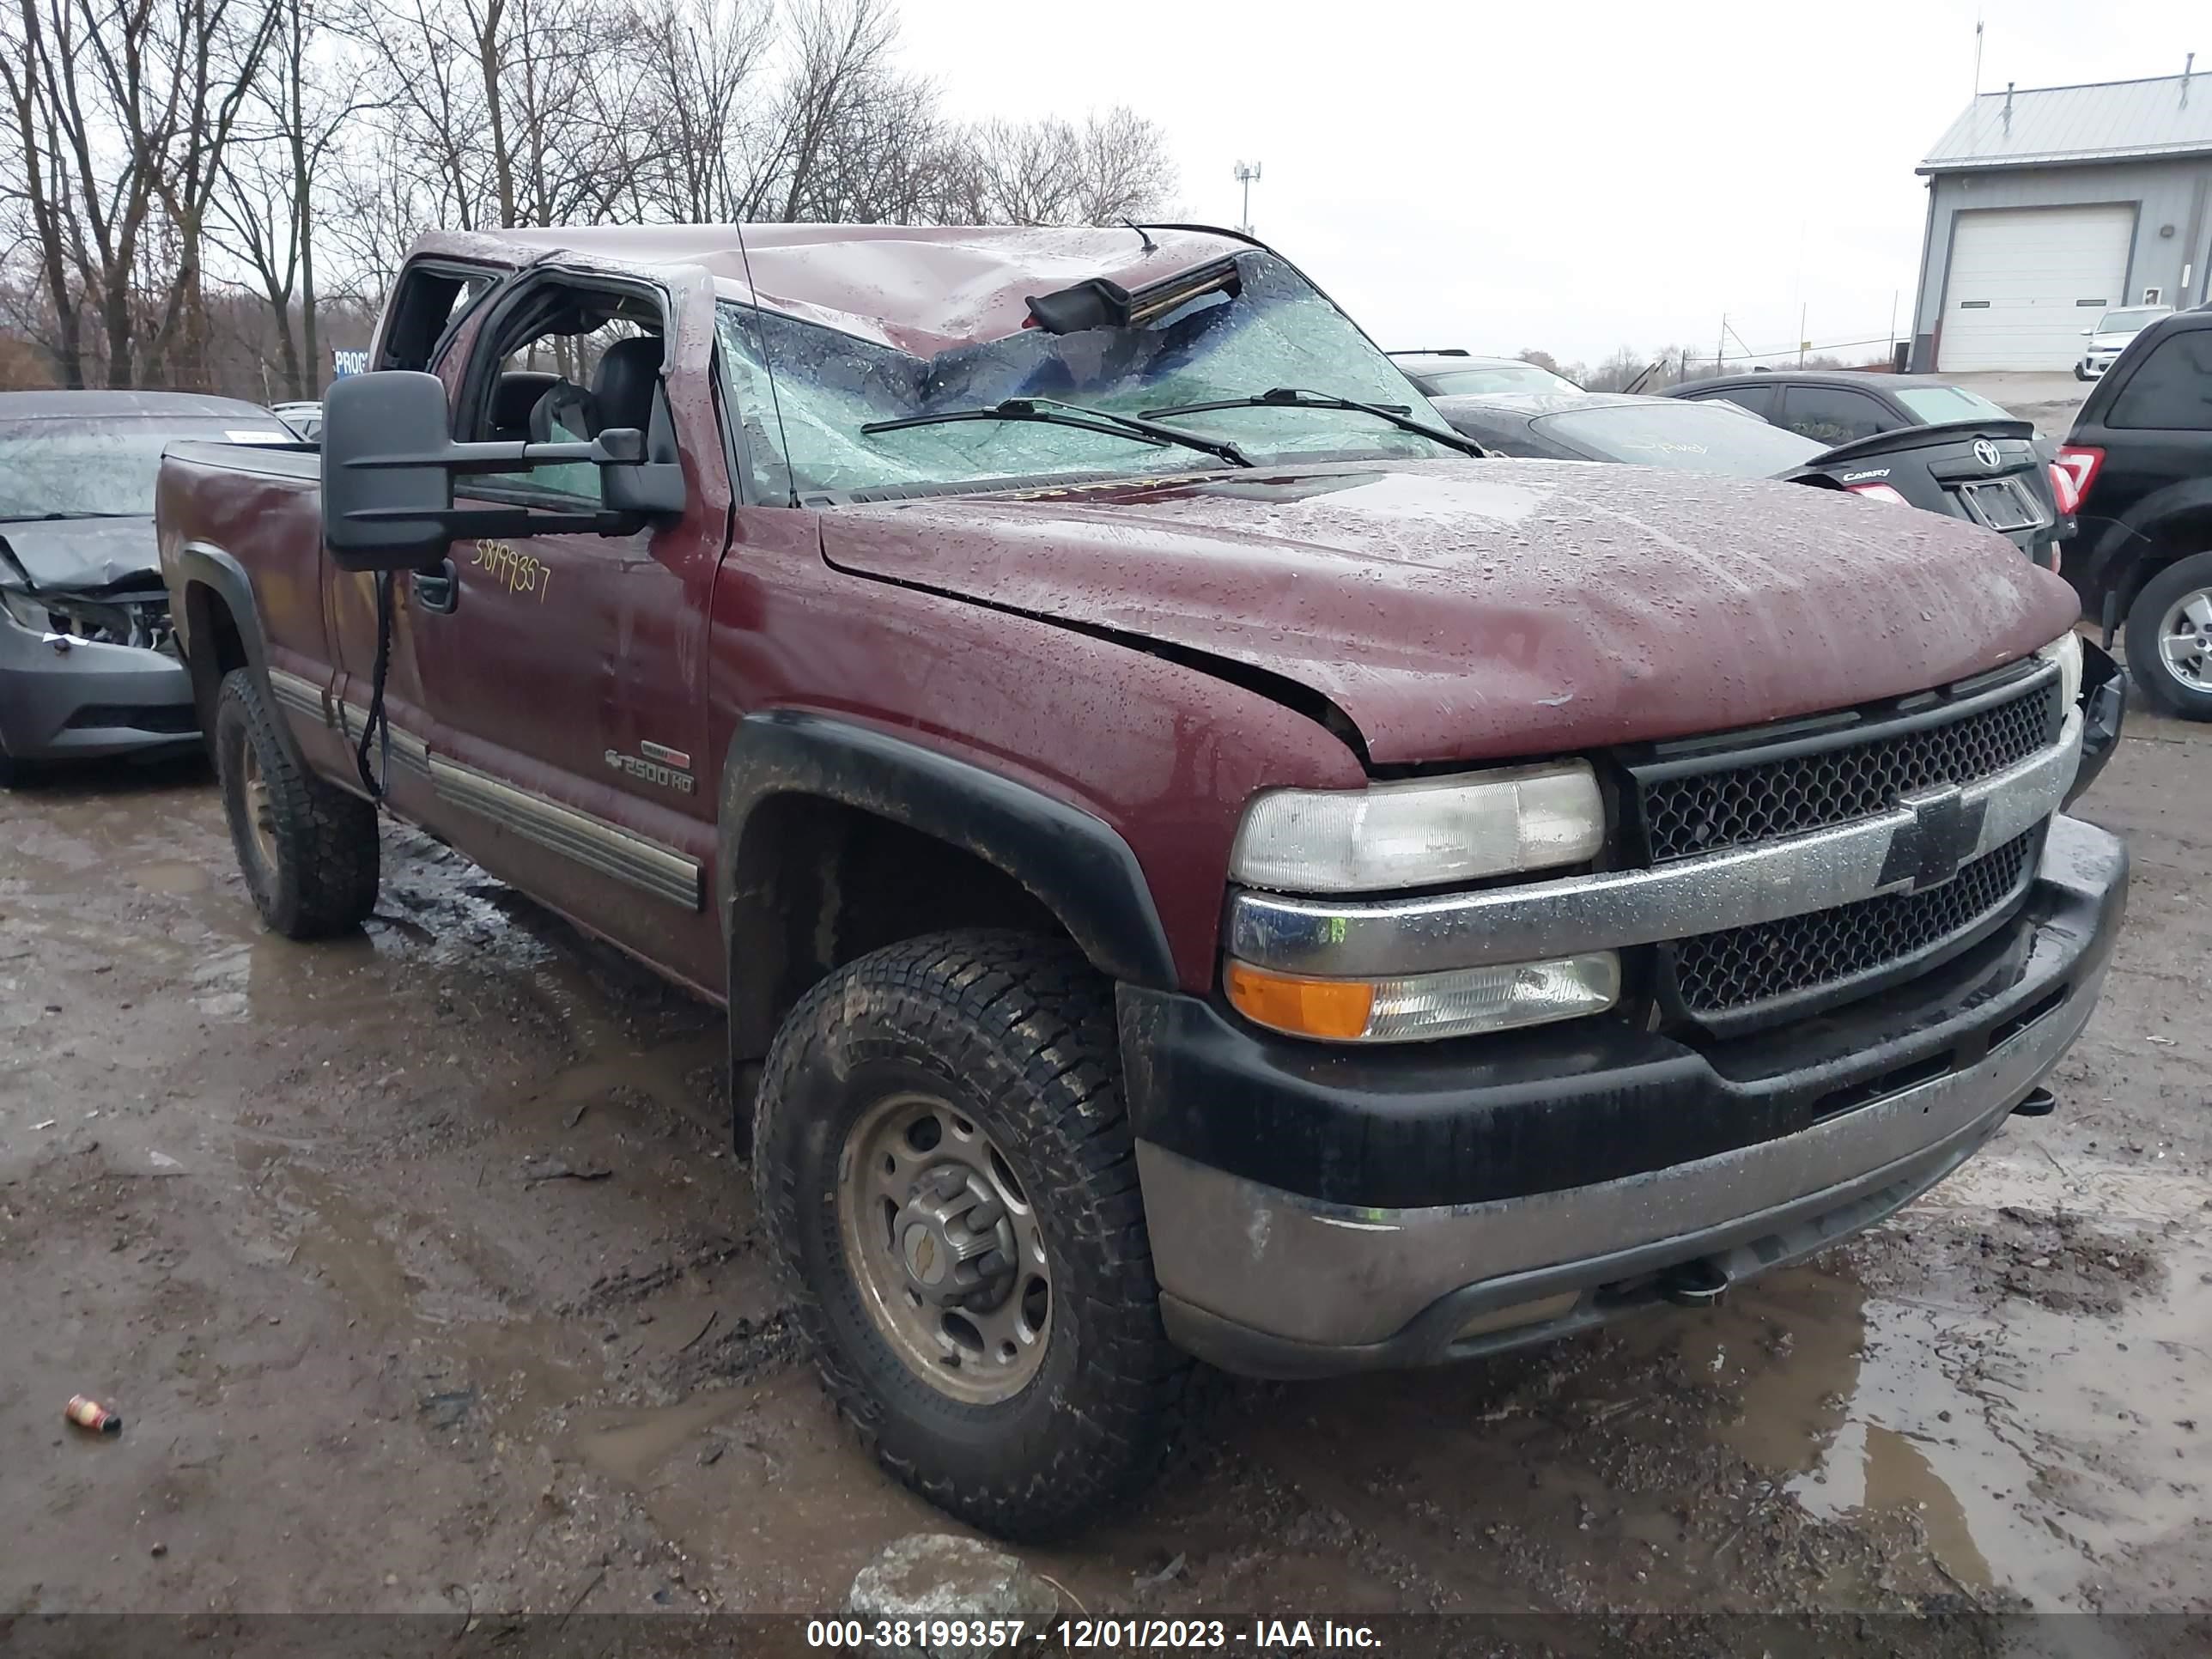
197	564
2114	562
1074	862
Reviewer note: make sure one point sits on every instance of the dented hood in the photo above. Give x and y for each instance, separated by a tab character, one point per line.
1458	611
61	554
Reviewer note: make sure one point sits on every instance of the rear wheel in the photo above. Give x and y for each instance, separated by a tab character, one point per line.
308	849
946	1172
2169	638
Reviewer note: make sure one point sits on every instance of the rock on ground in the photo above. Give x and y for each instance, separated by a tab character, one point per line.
927	1576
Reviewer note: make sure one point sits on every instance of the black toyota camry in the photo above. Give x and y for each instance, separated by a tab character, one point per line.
1988	471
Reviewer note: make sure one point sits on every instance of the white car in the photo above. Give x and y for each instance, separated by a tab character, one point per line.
2111	336
305	419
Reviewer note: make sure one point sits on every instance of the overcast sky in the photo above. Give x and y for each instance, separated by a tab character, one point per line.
1573	174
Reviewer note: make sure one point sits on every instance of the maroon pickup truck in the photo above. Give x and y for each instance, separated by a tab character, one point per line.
1201	864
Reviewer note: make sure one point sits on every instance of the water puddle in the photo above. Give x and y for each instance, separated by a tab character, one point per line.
405	1277
2004	1426
630	1446
172	876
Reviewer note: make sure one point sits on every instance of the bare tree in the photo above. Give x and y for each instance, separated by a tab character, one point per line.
1114	167
122	109
268	207
204	190
1122	168
100	162
704	62
211	51
39	187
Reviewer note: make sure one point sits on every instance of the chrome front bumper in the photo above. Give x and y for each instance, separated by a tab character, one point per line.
1268	1282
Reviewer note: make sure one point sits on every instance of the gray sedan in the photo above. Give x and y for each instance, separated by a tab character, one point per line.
87	663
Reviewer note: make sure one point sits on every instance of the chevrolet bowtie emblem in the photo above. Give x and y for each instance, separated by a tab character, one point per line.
1941	836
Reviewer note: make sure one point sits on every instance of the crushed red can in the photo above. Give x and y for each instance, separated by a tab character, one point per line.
89	1413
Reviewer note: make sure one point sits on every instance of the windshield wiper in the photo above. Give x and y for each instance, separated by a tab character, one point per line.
1294	396
51	518
1051	412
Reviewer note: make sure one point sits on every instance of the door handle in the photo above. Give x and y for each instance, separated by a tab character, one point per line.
437	587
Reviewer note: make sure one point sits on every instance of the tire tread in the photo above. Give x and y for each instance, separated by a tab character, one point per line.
327	847
1049	1019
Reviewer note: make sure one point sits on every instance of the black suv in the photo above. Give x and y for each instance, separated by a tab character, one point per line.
2140	462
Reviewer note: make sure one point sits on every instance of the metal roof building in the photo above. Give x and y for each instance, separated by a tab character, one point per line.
2049	206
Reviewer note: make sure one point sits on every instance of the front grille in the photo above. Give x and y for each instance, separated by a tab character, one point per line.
1716	973
1735	806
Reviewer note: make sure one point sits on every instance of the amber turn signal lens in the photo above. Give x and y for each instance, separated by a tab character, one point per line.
1335	1008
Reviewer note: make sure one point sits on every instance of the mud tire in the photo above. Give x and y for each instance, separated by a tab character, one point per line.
323	875
1016	1032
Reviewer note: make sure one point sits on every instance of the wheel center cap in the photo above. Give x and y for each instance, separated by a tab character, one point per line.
953	1239
925	1261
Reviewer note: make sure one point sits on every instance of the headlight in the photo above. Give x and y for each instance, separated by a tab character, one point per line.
1421	833
2066	652
24	612
1425	1006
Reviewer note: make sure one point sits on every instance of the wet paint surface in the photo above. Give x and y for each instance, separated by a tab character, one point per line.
324	1224
1461	610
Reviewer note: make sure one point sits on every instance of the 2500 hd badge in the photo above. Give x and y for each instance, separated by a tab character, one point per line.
666	767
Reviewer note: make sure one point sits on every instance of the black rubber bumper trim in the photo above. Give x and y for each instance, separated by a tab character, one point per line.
1567	1106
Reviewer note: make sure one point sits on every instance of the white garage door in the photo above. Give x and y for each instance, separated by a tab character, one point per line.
2022	282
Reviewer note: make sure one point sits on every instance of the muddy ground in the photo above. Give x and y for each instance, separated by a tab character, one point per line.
422	1273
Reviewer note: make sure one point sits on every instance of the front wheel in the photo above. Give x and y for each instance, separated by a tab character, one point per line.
2169	638
947	1173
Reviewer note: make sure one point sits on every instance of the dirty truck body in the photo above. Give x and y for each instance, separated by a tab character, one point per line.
1360	907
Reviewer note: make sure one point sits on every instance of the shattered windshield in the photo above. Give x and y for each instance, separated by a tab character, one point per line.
96	467
1261	326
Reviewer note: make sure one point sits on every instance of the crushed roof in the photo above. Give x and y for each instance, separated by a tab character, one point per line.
923	289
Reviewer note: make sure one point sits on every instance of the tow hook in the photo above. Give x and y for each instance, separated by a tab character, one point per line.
2038	1102
1695	1285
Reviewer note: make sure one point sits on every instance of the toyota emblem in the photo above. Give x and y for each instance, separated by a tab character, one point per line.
1986	453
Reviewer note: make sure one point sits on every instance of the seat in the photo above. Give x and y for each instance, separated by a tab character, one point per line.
626	386
564	414
626	392
514	396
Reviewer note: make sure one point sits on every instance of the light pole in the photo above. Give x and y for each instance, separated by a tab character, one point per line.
1248	174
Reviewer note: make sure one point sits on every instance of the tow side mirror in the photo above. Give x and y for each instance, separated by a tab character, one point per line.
383	517
389	465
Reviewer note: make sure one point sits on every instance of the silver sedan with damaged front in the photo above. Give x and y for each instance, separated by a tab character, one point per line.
88	665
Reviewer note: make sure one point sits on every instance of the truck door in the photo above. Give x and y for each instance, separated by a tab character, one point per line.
563	675
435	309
